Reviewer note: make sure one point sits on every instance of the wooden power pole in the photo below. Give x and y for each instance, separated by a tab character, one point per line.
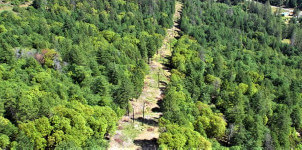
133	115
158	79
143	114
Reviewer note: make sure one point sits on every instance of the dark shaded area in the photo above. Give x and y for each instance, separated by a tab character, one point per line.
160	103
156	109
163	83
107	136
162	89
150	122
166	64
180	33
147	144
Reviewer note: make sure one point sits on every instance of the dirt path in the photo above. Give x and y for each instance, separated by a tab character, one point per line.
143	133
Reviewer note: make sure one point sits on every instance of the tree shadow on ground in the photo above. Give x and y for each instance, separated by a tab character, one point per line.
158	109
163	83
150	122
166	64
147	144
162	89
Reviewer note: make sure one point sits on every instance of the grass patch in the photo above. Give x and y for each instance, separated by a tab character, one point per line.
276	9
129	133
286	41
5	8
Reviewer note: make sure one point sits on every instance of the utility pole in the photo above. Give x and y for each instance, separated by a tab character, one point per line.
158	79
170	51
128	110
143	114
133	115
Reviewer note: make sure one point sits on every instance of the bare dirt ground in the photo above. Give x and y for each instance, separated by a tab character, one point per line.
26	4
143	133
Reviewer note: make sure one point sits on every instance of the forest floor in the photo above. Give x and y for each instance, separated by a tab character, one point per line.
143	133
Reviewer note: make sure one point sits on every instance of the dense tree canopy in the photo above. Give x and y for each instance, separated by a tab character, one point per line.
69	68
233	80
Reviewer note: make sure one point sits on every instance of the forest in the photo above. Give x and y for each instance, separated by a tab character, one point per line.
69	68
234	83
